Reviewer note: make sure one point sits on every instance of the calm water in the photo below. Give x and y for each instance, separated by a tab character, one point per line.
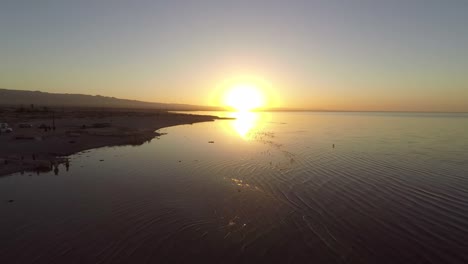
271	188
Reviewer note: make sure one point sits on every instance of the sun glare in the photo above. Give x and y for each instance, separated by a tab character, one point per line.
244	97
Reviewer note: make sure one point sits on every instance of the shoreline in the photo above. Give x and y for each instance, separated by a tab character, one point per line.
35	149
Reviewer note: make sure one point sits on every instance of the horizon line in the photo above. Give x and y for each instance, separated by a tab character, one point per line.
227	109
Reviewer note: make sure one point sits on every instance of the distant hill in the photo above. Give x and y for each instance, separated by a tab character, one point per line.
26	98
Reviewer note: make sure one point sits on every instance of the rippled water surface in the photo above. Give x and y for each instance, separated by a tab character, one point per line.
271	187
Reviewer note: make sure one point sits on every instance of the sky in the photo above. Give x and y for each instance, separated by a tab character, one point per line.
400	55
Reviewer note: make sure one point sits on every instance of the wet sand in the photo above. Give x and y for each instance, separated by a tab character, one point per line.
41	149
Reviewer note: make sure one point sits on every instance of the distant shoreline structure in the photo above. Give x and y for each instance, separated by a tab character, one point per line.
26	98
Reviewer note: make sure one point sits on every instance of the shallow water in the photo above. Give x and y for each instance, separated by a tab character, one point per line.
271	188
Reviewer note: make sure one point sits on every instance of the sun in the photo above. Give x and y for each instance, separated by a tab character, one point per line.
244	97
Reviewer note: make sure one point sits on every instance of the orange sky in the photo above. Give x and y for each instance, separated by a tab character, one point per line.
308	54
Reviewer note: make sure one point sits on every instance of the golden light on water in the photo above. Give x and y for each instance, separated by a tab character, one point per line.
245	122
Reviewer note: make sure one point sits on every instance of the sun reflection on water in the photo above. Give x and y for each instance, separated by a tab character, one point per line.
244	123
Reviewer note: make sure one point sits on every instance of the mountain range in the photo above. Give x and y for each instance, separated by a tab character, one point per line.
26	98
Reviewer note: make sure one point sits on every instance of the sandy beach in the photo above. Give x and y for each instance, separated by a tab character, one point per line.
41	147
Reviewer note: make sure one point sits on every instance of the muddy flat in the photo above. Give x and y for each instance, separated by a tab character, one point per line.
42	138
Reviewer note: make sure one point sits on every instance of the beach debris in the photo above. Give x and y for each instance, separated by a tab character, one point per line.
42	165
44	127
100	125
11	200
211	142
333	146
19	137
72	141
25	125
232	221
101	160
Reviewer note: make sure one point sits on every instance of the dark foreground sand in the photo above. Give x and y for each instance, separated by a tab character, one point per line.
36	149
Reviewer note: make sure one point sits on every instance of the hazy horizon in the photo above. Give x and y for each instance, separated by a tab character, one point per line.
211	108
318	55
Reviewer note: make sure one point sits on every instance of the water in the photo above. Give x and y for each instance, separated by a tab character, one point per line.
271	188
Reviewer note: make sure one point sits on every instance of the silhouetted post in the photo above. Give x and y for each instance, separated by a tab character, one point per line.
53	120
